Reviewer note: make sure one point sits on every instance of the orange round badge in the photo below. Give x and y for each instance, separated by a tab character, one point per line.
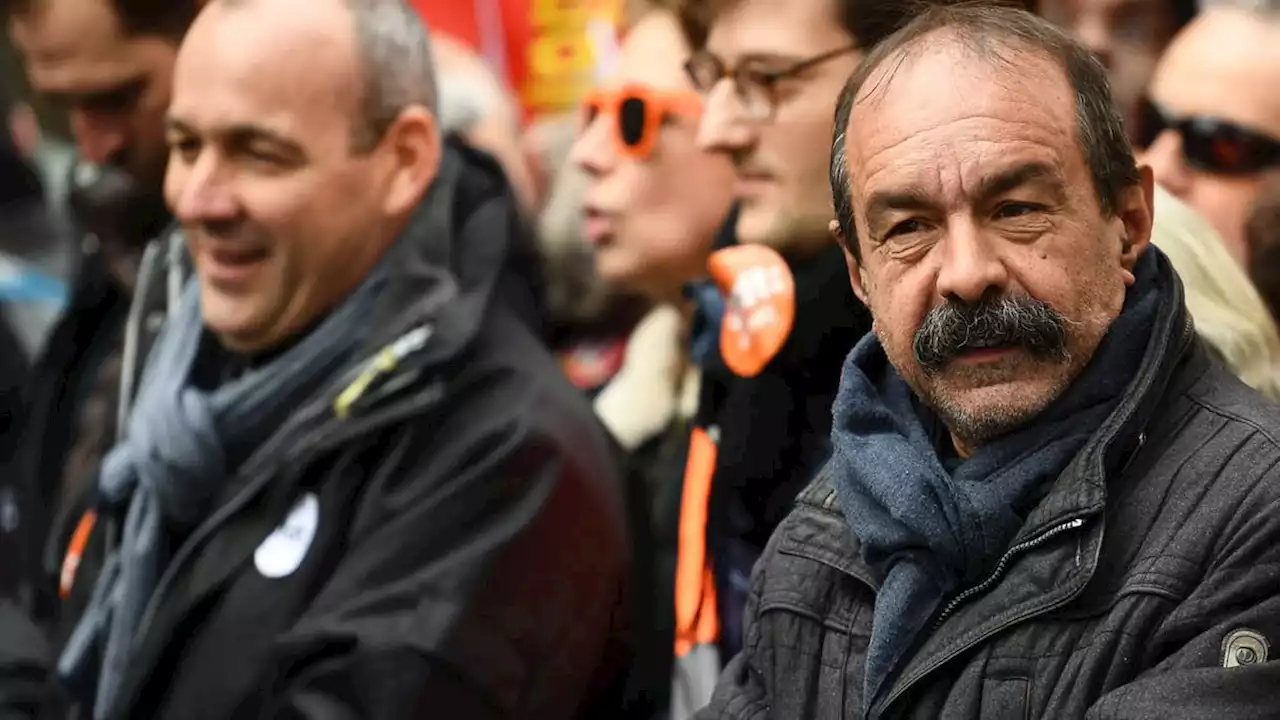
760	306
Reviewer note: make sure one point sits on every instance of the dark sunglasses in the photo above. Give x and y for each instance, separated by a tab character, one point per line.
1210	144
637	112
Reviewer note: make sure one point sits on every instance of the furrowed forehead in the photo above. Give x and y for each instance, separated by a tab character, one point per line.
939	111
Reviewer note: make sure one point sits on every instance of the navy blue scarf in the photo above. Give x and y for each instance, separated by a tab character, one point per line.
932	527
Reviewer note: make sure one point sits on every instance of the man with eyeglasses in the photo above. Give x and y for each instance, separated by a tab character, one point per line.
1211	125
769	71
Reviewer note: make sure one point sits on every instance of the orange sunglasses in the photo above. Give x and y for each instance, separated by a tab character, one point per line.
639	112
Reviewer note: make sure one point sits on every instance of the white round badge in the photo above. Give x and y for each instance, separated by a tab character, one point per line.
283	550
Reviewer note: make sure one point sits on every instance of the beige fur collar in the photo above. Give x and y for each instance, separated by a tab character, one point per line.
651	390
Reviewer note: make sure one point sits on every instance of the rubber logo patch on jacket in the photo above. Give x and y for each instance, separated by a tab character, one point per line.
761	305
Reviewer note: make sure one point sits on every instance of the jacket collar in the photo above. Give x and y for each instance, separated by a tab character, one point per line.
656	384
1081	488
445	266
448	259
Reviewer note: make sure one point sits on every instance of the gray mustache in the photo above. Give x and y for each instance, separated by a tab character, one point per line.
1010	321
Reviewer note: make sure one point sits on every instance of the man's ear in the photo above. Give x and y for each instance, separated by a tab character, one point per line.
1136	212
413	147
856	278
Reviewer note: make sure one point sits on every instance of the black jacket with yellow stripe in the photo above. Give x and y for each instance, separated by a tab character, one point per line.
443	535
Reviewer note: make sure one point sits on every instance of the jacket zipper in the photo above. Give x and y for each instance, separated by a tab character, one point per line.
1022	547
1001	566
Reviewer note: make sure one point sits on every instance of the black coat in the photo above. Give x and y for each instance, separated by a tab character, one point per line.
775	428
13	378
1138	588
455	546
34	450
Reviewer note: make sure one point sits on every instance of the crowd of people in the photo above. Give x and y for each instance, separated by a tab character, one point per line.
837	359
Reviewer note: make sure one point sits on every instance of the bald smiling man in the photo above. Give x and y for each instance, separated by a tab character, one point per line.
351	485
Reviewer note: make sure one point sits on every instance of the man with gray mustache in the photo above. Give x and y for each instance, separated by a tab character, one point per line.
1045	498
986	329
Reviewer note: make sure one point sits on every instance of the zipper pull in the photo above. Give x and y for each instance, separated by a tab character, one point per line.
1002	565
379	367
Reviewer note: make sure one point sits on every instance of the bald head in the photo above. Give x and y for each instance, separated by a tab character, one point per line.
392	55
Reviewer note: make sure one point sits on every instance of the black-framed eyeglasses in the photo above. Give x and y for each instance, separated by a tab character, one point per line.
1210	144
754	86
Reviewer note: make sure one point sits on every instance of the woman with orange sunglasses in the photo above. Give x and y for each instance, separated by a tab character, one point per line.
654	201
652	208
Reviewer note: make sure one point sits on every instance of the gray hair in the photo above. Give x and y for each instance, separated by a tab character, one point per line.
987	30
394	48
471	94
466	101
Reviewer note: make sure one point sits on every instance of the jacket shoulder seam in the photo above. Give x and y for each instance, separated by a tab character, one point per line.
1235	417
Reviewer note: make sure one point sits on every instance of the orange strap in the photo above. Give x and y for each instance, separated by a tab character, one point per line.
75	551
697	621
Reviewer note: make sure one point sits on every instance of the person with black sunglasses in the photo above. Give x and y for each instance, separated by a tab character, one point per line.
1211	122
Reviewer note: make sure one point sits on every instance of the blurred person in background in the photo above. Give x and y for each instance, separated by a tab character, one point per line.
591	322
1211	127
476	109
591	319
35	251
584	308
1127	37
109	65
546	144
352	483
52	156
1229	314
1263	233
652	207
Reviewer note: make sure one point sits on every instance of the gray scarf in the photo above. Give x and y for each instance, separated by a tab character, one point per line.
181	446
